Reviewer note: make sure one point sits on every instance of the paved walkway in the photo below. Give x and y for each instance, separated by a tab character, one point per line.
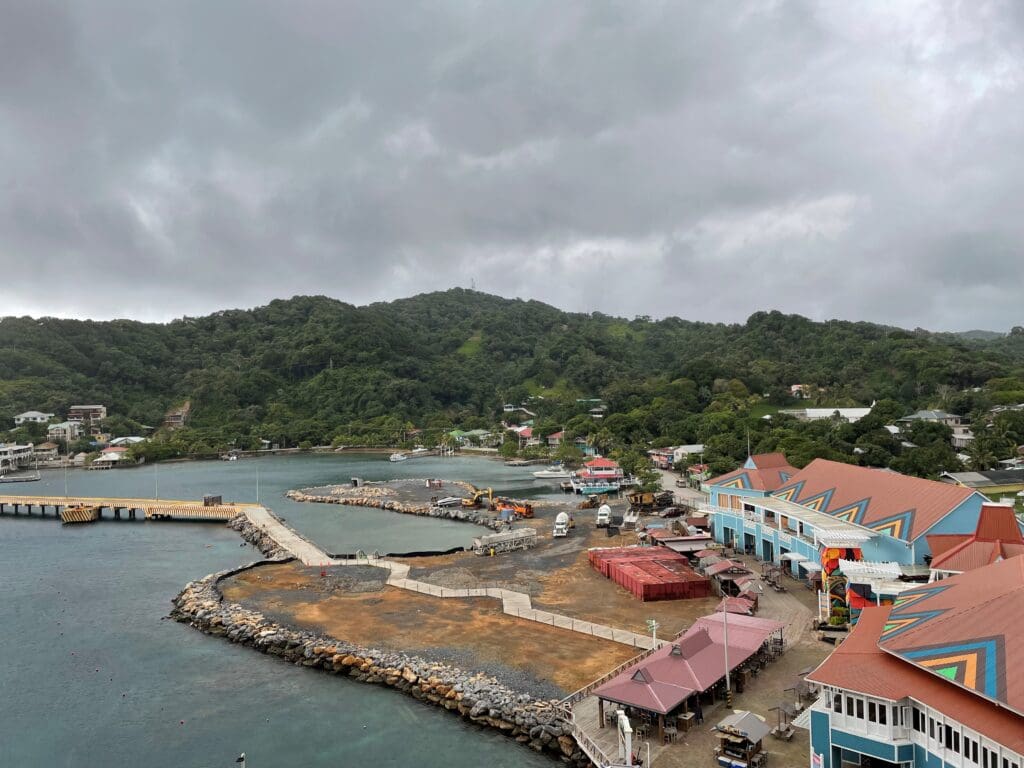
516	604
302	549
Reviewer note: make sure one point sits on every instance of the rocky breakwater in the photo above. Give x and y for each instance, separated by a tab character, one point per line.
537	723
381	501
258	537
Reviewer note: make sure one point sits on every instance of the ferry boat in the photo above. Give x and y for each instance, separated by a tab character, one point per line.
397	457
600	475
555	472
18	478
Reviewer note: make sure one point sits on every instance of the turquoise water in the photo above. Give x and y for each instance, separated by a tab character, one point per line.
92	676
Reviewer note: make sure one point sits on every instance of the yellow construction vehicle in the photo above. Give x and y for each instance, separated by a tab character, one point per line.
593	502
476	498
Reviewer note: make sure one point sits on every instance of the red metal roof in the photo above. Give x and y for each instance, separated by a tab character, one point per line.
966	628
859	665
761	472
997	537
666	678
738	605
725	565
898	505
601	463
770	461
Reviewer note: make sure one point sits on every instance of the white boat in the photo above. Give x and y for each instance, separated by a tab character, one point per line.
556	472
397	457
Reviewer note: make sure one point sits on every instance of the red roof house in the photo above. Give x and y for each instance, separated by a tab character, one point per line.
761	472
997	537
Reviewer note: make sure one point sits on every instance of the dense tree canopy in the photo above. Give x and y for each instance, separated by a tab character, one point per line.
312	369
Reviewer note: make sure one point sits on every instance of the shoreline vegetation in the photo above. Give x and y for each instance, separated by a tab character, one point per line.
538	723
465	367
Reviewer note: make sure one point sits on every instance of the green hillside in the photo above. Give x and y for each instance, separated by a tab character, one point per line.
313	368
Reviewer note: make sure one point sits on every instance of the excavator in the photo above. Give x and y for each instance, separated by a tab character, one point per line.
476	499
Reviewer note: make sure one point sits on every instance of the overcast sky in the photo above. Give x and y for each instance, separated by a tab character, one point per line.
705	160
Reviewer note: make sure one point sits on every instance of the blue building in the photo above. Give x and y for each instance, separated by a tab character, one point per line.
933	681
828	516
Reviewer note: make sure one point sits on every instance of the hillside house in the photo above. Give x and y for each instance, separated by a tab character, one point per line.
66	431
32	417
87	414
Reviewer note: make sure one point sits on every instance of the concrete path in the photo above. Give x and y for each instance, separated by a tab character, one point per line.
302	549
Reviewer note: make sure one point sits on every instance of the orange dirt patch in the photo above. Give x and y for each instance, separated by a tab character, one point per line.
405	621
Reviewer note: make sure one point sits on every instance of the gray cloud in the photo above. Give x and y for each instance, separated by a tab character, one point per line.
160	159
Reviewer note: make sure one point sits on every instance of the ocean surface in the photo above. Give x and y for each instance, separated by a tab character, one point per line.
92	675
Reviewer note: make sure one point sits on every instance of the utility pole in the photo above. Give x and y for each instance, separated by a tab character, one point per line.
728	684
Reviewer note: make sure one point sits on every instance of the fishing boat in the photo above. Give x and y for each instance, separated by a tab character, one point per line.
554	472
397	457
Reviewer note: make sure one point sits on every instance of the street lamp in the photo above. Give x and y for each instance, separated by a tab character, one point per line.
653	626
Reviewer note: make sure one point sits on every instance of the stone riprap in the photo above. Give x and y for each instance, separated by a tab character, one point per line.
477	697
258	537
382	501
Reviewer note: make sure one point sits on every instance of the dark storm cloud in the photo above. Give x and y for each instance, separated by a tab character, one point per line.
702	160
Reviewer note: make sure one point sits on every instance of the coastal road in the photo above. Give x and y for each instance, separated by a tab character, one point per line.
302	549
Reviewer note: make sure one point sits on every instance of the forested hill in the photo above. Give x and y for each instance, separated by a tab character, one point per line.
304	368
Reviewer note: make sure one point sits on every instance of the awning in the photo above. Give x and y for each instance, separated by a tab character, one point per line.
792	556
809	565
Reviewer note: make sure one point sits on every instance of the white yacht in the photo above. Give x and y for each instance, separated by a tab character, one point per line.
397	457
556	472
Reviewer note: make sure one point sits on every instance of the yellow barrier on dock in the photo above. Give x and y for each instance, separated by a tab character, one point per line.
74	508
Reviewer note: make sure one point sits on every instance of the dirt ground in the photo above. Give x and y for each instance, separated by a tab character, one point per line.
558	577
471	633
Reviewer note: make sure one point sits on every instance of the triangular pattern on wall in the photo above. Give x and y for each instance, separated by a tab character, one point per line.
898	526
977	664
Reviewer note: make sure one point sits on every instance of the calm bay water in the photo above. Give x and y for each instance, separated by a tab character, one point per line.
91	675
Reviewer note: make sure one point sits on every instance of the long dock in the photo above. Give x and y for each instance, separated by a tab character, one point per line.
150	509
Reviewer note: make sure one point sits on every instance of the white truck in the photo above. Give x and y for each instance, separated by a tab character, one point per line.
604	516
561	526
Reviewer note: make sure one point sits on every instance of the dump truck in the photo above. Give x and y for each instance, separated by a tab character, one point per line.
520	509
561	525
